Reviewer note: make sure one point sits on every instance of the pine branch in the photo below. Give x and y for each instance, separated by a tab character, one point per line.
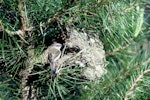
118	24
123	46
130	91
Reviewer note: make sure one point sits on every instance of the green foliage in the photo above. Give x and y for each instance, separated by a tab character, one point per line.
9	14
120	26
8	88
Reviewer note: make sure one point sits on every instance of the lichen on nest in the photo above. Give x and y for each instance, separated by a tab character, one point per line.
91	56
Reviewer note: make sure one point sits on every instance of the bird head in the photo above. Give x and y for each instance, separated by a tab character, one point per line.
57	45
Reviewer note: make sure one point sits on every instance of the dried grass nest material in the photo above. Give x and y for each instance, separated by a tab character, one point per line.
87	53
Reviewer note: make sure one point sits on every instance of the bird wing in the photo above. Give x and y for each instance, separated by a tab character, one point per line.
53	55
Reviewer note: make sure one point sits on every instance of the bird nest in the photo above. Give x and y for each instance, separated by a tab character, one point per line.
82	49
90	55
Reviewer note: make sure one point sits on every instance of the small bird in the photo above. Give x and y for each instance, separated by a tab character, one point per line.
54	54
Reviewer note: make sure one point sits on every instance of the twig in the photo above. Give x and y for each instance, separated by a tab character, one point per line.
126	44
19	32
26	87
135	83
60	27
62	54
22	16
1	26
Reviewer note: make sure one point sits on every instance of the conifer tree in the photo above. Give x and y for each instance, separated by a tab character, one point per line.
27	28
